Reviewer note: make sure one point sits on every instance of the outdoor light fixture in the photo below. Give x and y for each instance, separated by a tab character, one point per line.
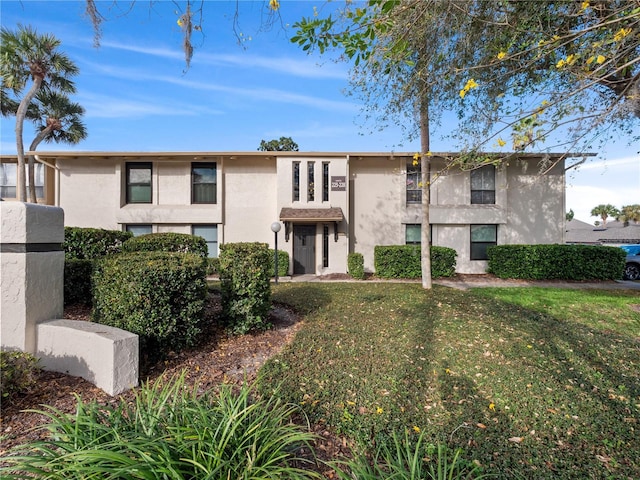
275	228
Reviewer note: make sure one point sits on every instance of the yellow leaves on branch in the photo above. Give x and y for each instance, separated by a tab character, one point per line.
501	55
274	5
471	83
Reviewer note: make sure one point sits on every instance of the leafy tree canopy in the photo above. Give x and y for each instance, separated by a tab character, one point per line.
283	144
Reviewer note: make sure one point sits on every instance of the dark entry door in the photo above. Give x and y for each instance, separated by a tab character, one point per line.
304	249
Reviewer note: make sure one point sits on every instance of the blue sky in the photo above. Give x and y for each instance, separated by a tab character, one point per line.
138	96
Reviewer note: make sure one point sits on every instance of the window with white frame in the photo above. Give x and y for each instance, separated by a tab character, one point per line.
210	235
482	237
483	185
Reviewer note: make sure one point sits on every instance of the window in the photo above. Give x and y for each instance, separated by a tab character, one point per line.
412	234
210	235
414	190
325	181
139	182
482	236
203	183
325	246
8	180
296	181
311	190
138	230
483	185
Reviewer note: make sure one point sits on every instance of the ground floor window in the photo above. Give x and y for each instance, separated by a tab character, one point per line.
210	235
482	237
138	230
325	246
413	234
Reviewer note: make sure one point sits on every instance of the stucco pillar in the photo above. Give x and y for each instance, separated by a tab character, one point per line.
31	271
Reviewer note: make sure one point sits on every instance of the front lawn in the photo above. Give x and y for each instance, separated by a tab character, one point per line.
530	383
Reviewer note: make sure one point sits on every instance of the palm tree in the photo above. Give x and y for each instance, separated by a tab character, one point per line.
604	212
629	213
57	119
25	56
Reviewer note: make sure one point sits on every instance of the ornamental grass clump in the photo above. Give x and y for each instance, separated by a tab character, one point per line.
168	431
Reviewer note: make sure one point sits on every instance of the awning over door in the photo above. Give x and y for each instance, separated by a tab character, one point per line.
311	214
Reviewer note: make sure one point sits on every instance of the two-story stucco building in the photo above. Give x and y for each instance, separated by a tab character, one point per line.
330	204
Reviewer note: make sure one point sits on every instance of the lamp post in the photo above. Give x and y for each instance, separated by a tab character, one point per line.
275	228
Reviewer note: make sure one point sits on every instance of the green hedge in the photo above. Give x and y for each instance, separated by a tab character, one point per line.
355	265
403	261
167	242
562	262
81	247
213	266
77	281
91	243
159	296
283	263
245	287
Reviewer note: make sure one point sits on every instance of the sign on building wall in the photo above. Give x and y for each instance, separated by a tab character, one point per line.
338	184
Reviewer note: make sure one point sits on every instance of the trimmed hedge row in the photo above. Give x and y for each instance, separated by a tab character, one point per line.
159	296
245	287
403	261
91	243
167	242
81	247
562	262
283	263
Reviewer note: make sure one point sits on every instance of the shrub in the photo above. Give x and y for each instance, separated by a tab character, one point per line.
403	261
167	242
77	281
562	262
18	373
283	263
92	243
159	296
355	265
81	247
168	431
244	284
213	266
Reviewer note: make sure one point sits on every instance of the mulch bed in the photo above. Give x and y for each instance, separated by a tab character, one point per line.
218	359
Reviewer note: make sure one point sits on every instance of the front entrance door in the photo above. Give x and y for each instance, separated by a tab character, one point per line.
304	249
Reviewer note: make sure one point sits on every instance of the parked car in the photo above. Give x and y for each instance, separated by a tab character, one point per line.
632	267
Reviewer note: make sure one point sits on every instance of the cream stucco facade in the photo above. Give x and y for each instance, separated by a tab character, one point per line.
330	204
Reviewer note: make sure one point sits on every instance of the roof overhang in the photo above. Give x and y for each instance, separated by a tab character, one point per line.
331	214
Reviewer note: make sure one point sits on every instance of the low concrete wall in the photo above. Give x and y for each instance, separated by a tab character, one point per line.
105	356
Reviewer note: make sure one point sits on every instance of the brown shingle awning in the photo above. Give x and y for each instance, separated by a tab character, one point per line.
311	215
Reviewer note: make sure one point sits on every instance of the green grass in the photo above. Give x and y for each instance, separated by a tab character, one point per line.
529	383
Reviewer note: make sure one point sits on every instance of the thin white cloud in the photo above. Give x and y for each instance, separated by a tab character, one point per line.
611	163
307	68
104	106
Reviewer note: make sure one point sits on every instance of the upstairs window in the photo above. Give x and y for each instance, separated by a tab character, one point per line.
482	237
483	185
311	190
8	180
414	190
296	182
325	181
139	182
203	183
